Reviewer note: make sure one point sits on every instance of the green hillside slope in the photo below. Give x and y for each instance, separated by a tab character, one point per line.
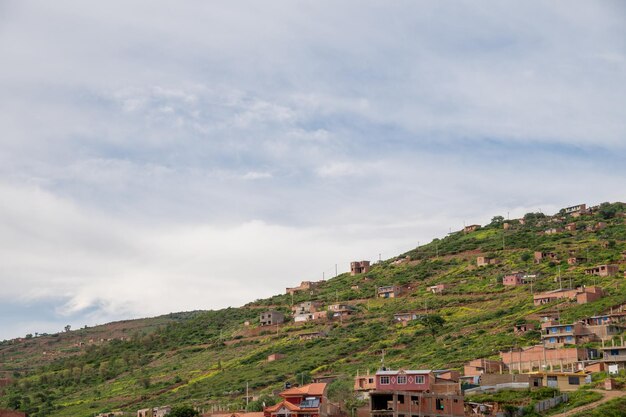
206	359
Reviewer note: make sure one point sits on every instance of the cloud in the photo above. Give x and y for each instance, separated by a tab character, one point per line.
147	150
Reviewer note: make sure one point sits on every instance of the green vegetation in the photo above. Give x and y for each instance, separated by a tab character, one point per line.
205	359
613	408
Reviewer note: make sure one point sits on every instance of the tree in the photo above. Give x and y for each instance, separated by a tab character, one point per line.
497	221
433	322
183	411
67	328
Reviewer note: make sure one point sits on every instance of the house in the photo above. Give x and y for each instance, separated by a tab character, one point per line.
11	413
540	256
306	307
485	260
305	401
614	355
304	286
478	367
415	392
240	414
272	317
564	381
359	267
582	295
514	279
471	228
523	328
275	357
404	317
388	291
311	335
341	310
570	227
603	270
606	326
554	334
553	231
579	208
438	289
575	260
364	384
539	357
154	412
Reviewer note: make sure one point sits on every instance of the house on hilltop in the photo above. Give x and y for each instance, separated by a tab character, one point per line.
359	267
471	228
540	256
304	286
577	209
555	334
485	260
154	412
438	289
514	279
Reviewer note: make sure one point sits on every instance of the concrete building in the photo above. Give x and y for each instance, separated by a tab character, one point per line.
359	267
485	260
514	279
388	291
614	355
564	381
554	334
579	208
341	310
154	412
275	357
478	367
438	289
270	318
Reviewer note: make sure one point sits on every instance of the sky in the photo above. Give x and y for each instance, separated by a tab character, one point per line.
158	156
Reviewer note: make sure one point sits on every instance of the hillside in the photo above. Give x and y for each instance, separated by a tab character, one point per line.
205	359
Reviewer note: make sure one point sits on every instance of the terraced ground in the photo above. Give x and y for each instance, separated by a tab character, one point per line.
205	359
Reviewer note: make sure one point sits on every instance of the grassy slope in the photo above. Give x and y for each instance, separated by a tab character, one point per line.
207	358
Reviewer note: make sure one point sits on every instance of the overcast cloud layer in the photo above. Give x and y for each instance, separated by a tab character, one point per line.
160	157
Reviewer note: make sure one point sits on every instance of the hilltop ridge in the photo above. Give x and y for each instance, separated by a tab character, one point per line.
205	359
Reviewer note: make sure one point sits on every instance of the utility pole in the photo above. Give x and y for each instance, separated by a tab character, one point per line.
335	270
560	282
247	396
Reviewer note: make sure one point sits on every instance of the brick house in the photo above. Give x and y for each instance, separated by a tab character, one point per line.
388	291
603	270
540	256
471	228
485	260
514	279
415	392
11	413
520	329
478	367
305	401
570	227
539	357
272	317
276	357
359	267
575	260
582	295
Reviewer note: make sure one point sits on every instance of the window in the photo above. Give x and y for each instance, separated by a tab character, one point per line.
371	380
573	380
419	379
384	380
553	340
439	404
569	339
568	328
400	399
402	379
553	330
